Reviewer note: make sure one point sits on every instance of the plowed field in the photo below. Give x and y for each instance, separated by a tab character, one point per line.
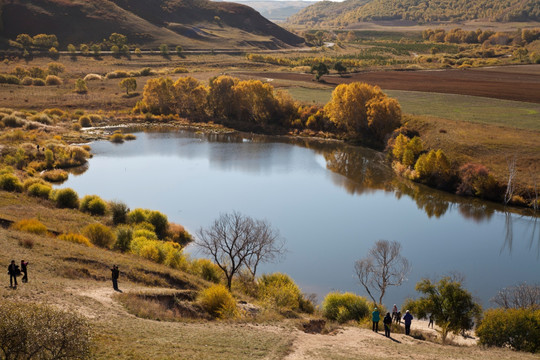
500	83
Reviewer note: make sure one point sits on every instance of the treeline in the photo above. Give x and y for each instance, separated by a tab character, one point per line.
421	11
412	160
356	111
487	37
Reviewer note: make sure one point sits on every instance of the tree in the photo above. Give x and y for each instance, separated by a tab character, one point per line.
164	49
235	241
220	96
71	49
521	296
179	50
118	39
452	307
383	266
189	97
96	49
320	69
340	68
157	95
130	84
25	40
80	86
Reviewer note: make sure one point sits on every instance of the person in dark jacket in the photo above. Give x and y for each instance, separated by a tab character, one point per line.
24	270
13	271
398	318
375	317
387	321
115	274
430	321
407	318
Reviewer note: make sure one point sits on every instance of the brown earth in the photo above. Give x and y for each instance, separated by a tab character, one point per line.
501	83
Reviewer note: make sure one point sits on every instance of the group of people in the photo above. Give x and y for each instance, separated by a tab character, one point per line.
14	271
388	319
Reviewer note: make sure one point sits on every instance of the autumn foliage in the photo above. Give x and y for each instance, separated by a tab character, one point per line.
359	111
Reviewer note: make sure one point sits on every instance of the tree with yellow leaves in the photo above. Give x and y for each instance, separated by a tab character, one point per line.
221	96
157	96
254	101
359	108
189	98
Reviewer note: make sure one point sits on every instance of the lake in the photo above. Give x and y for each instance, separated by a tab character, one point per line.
330	202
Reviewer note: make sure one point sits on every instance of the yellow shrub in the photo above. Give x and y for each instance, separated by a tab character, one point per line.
150	251
33	226
218	302
75	238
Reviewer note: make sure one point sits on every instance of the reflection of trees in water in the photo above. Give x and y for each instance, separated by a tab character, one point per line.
532	232
361	173
476	211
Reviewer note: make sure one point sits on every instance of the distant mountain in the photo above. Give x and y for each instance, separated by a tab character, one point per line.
276	10
419	11
190	23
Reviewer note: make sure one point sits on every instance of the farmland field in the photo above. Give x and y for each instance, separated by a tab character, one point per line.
517	114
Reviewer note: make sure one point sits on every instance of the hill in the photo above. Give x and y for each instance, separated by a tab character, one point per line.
276	10
190	23
416	11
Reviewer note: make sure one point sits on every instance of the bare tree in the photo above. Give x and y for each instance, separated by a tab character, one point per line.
521	296
235	241
512	171
382	267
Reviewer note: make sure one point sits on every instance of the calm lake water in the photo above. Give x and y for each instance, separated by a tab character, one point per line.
331	202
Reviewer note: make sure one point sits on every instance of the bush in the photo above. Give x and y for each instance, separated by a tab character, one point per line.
207	270
85	121
13	121
81	87
43	331
10	182
180	70
343	307
118	74
9	79
34	180
124	235
218	301
65	198
137	216
119	212
515	328
53	80
178	234
33	226
160	222
99	234
39	190
27	81
90	77
75	238
55	176
42	118
93	204
145	233
279	291
116	138
129	137
38	82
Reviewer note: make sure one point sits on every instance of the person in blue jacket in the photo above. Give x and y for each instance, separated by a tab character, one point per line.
375	317
407	318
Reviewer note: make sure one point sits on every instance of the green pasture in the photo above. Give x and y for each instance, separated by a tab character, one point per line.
521	115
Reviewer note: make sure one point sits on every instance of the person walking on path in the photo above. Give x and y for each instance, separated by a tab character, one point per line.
24	270
115	275
375	317
387	321
407	318
13	271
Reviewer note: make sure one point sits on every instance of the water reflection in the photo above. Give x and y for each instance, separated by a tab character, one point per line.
532	232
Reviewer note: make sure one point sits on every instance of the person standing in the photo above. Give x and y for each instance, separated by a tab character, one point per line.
430	321
407	318
387	321
375	317
13	271
24	270
394	312
115	273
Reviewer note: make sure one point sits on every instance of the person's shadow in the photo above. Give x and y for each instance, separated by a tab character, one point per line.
391	338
